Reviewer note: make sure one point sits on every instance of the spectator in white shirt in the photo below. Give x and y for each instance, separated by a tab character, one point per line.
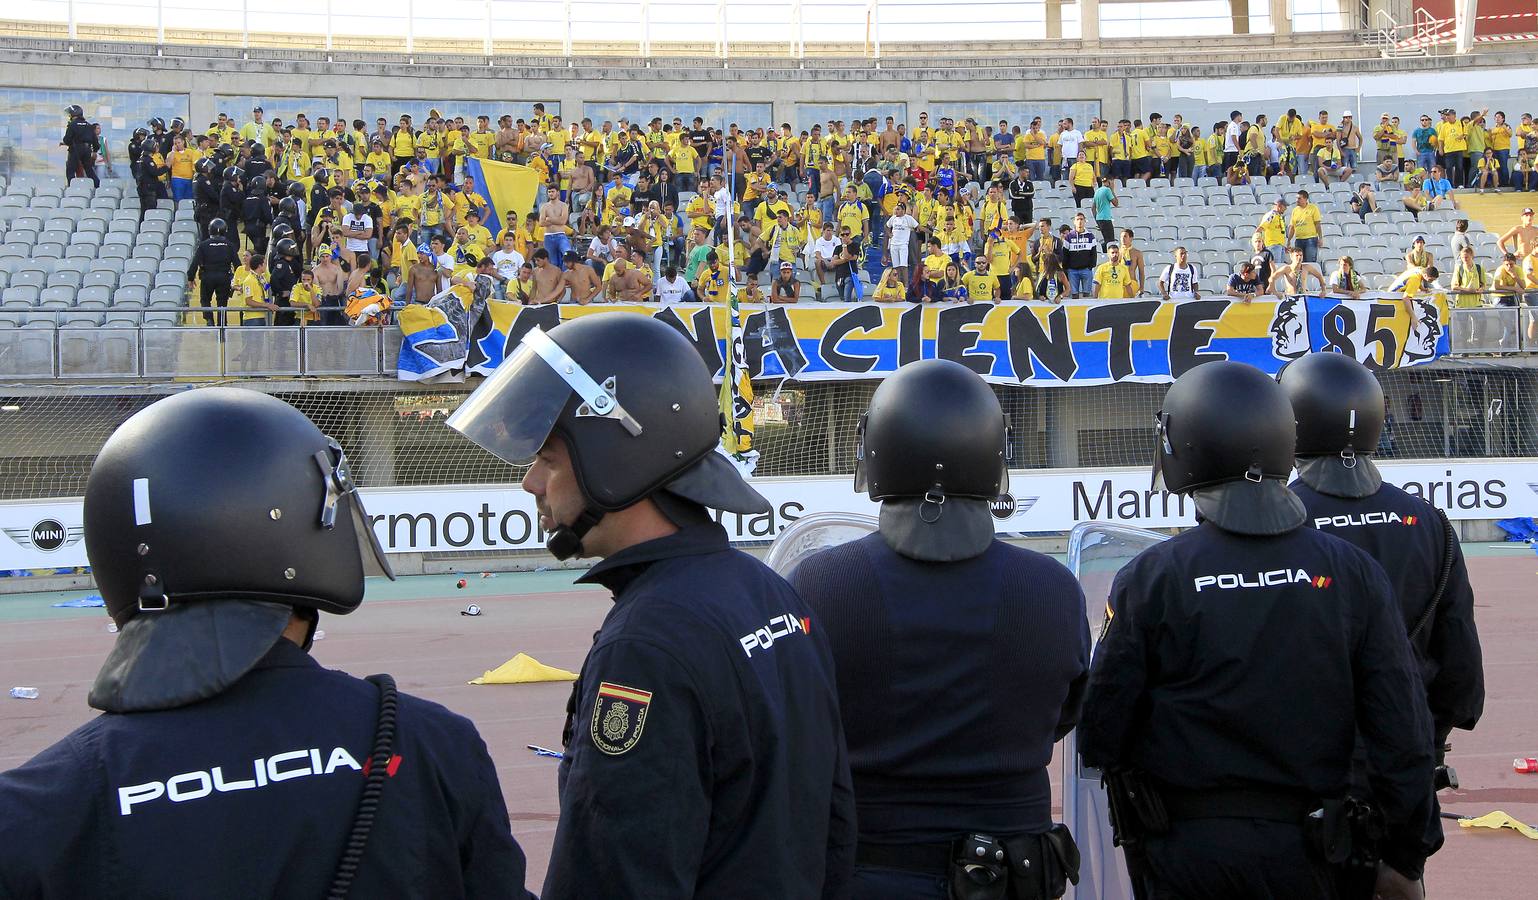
672	288
1178	281
824	249
508	260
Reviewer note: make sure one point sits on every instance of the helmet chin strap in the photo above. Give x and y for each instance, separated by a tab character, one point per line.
565	541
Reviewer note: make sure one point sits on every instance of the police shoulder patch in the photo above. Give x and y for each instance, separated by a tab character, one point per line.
619	715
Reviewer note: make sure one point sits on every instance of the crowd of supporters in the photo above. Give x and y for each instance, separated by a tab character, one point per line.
678	211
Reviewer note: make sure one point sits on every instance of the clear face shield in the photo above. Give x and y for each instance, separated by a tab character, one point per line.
337	475
512	414
1162	449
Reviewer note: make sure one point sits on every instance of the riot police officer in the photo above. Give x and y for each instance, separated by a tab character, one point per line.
284	269
178	127
319	195
1339	408
152	167
288	216
1239	661
205	195
257	166
79	142
213	262
211	767
256	215
136	144
232	196
295	215
704	755
949	646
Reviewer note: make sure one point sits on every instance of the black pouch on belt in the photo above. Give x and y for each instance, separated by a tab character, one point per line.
978	870
1136	807
1345	832
1041	865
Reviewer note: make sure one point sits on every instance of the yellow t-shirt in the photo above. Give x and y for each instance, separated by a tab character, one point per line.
853	215
934	266
1304	221
895	293
403	143
684	158
380	160
300	299
249	291
1002	255
1273	229
1035	144
980	288
1115	281
1097	154
1321	133
1082	174
1452	137
1137	144
182	162
711	285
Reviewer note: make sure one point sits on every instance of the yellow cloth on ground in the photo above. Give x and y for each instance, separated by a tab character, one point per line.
524	669
1499	819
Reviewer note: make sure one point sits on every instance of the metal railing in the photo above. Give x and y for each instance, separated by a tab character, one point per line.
71	353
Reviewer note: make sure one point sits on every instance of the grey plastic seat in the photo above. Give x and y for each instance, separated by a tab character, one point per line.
29	222
168	295
99	278
63	223
22	237
94	294
108	264
86	252
18	294
162	319
130	297
147	251
56	298
118	319
15	251
147	266
172	278
65	278
29	278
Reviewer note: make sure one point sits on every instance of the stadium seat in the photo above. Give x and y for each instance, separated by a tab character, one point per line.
147	251
23	236
173	278
94	294
16	295
135	279
47	251
15	251
168	296
147	266
65	278
130	297
56	298
99	278
80	319
108	264
117	319
29	278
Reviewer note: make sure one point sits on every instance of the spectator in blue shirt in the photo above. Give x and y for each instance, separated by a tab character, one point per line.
1104	199
1425	144
1438	189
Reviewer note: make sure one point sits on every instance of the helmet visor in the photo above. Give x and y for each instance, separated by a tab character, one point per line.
340	489
1161	449
512	414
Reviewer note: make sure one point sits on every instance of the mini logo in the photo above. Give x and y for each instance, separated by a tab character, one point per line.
48	535
1322	581
1003	506
619	716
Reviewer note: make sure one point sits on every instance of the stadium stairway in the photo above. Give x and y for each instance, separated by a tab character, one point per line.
1495	212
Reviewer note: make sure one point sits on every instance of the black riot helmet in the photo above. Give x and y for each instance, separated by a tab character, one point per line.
1338	405
281	231
169	537
933	447
178	123
231	173
632	401
933	426
286	247
288	206
204	166
217	227
157	123
321	175
141	134
74	111
1225	435
257	188
296	190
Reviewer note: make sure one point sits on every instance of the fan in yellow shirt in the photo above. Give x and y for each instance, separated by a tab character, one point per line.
1113	280
981	287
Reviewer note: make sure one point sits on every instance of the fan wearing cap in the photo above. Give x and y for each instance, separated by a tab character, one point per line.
932	619
704	754
1242	661
227	758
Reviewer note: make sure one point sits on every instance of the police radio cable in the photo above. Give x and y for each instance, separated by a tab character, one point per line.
373	786
1449	548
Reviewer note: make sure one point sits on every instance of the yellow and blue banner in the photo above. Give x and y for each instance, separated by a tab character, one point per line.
1040	344
508	189
736	388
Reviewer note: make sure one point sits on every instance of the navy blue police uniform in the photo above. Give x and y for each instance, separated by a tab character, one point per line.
250	793
1235	671
1406	535
955	680
704	720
